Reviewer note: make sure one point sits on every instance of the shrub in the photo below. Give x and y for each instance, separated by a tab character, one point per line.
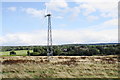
12	53
28	53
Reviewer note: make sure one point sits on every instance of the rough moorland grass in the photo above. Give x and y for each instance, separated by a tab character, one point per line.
59	67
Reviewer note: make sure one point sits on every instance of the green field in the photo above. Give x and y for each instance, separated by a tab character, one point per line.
18	53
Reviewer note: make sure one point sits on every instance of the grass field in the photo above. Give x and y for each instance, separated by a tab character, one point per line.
18	53
60	67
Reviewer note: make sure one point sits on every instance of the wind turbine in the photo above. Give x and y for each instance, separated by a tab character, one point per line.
49	34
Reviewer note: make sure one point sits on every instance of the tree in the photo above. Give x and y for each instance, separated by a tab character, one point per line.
57	51
28	53
110	51
101	49
39	50
93	51
81	52
12	53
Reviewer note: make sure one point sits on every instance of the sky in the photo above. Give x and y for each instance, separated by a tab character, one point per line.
73	22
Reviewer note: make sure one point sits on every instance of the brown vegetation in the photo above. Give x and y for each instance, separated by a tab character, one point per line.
60	67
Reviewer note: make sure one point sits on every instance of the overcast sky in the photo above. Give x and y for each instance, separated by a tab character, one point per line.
78	21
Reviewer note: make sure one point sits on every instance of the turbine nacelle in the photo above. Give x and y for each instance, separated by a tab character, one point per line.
47	15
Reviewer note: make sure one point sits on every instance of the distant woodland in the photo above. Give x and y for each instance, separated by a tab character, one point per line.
68	50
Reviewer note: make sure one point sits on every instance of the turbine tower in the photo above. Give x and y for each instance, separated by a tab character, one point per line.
49	36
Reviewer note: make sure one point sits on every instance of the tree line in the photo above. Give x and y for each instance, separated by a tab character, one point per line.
68	50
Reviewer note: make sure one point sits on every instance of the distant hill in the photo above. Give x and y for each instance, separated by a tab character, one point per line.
72	44
93	44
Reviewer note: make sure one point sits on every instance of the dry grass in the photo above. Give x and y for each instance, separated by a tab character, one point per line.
60	67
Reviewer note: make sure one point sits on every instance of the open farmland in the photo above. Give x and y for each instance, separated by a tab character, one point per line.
60	67
18	53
